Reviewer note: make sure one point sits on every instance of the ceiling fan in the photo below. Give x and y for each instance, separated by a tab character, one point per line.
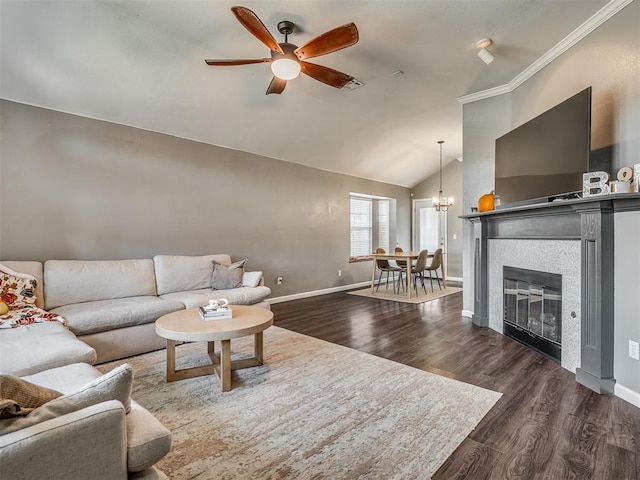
288	60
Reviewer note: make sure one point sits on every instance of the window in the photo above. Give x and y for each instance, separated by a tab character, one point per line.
371	225
360	216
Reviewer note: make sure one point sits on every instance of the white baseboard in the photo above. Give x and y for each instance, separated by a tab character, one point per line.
325	291
467	313
315	293
627	394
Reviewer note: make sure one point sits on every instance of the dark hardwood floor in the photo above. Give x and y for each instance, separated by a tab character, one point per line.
545	426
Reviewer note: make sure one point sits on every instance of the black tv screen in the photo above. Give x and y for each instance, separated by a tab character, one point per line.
547	156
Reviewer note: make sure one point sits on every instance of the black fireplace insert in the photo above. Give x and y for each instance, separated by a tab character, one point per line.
533	309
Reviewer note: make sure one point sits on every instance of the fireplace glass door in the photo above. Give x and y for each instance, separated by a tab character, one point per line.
533	309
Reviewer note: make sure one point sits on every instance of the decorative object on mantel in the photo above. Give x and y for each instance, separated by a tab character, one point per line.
624	182
595	183
487	202
625	174
442	203
620	187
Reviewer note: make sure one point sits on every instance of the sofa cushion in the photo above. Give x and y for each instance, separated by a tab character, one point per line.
71	281
41	346
236	296
103	315
66	379
34	269
179	273
147	439
113	385
226	277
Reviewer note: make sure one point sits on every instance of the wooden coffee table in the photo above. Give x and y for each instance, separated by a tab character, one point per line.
188	326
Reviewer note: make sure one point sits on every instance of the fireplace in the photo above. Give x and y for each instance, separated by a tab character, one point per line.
533	309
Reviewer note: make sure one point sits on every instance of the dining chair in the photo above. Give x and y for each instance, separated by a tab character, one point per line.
402	264
418	270
436	263
384	266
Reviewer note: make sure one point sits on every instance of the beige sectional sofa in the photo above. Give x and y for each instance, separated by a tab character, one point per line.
110	308
112	305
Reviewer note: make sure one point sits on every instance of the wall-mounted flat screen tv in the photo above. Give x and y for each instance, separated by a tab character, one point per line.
547	156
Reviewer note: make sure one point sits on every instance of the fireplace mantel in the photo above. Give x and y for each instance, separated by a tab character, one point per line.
589	220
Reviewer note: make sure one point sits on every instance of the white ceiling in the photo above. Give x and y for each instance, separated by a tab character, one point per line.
140	63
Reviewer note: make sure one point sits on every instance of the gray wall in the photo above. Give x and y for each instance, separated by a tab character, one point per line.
77	188
452	187
627	303
483	122
607	59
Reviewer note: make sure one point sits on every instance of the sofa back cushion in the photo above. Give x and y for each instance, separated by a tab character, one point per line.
30	268
77	281
182	273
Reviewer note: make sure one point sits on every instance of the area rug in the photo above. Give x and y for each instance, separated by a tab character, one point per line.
384	294
314	410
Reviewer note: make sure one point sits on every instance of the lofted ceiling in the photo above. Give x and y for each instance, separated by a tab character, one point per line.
140	63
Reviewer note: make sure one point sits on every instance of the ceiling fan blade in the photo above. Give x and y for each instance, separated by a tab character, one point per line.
276	86
326	75
230	62
336	39
251	22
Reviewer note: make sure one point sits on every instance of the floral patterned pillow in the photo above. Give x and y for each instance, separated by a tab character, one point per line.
17	290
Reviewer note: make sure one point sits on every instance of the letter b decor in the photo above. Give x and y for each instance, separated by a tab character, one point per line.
595	184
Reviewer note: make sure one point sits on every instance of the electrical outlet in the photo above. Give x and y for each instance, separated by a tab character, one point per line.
634	350
279	280
339	273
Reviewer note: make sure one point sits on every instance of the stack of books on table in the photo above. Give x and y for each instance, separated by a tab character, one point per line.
220	313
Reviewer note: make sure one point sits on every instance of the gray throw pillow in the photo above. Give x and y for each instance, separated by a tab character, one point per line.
224	278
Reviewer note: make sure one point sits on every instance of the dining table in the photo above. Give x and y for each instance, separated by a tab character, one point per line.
408	257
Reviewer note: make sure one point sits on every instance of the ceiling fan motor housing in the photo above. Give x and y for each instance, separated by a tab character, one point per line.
288	49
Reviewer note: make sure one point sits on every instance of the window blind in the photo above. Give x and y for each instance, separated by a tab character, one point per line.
361	225
383	225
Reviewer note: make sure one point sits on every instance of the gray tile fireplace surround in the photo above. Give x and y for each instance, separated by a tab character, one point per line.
574	238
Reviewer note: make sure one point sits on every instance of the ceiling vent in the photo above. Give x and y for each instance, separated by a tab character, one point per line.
353	84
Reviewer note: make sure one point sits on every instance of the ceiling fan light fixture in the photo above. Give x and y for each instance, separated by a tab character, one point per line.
286	68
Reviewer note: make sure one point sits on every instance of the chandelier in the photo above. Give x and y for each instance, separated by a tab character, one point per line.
442	203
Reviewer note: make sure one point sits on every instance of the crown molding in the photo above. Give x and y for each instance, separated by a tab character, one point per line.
600	17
